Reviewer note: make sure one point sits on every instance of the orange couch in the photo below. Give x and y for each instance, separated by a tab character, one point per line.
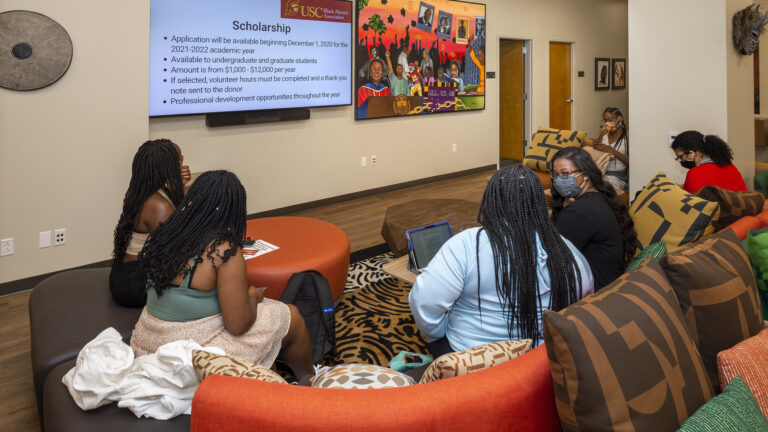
514	396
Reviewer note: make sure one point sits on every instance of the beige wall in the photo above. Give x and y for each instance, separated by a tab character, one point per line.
65	150
686	77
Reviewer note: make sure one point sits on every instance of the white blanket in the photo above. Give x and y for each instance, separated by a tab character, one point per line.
159	385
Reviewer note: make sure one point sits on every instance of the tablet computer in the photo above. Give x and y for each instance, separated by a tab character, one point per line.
424	242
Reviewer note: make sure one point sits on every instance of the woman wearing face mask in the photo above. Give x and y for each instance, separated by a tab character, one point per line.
709	162
613	139
596	222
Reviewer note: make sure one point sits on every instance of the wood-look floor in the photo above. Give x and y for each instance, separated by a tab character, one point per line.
360	219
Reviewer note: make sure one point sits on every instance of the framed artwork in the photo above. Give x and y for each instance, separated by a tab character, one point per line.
619	73
419	57
602	73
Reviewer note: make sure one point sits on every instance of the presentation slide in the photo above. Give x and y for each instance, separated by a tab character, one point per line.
240	55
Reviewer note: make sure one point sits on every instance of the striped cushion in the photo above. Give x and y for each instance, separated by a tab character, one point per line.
734	410
664	211
733	205
747	360
474	359
717	292
206	363
546	142
622	359
655	250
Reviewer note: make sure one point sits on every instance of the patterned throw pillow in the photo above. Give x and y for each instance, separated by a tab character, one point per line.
474	359
360	376
206	363
733	410
747	360
546	142
655	250
716	289
622	359
664	211
733	205
601	158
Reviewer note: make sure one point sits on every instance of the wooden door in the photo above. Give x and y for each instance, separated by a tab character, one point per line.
512	99
560	100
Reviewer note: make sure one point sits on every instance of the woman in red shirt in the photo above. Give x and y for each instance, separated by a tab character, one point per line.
709	161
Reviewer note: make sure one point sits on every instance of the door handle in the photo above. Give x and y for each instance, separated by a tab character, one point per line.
569	100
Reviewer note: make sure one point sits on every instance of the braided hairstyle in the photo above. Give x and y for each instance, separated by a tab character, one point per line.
212	213
512	213
710	145
155	166
586	165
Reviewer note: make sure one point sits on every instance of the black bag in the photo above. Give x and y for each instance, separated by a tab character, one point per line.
310	293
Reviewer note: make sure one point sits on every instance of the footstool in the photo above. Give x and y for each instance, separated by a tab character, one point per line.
413	214
304	244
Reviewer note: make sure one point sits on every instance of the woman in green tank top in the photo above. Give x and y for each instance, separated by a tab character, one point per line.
197	286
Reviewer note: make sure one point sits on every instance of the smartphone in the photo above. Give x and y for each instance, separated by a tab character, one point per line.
262	289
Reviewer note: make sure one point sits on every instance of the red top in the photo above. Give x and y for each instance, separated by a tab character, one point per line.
706	174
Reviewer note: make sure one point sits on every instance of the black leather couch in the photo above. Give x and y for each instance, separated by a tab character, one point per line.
66	311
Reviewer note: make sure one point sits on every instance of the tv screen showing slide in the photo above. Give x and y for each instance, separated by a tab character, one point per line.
244	55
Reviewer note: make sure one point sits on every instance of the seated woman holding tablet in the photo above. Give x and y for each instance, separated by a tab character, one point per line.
492	283
197	285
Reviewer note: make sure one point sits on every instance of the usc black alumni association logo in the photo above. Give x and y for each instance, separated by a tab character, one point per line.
317	10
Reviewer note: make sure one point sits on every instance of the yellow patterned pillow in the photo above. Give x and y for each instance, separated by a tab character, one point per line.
663	211
546	142
474	359
206	363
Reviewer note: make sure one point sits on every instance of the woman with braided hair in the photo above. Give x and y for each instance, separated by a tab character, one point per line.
156	188
596	222
709	161
492	283
197	286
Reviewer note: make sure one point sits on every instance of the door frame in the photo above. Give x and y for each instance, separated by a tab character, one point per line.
575	102
527	87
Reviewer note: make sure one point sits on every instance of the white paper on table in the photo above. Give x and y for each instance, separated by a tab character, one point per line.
260	247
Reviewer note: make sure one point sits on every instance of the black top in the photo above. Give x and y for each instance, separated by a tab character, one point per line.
590	224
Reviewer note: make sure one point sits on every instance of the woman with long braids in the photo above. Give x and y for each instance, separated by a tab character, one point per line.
709	161
197	286
491	283
614	139
156	188
596	222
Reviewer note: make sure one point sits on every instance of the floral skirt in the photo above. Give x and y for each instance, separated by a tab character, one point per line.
260	345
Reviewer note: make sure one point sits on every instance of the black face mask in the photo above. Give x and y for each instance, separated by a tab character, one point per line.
687	164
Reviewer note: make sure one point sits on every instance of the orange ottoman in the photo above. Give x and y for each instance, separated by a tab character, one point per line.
304	244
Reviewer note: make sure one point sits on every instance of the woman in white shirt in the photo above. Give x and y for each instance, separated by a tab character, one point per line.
613	139
492	283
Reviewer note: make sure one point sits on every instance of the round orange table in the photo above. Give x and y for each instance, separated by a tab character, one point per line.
304	244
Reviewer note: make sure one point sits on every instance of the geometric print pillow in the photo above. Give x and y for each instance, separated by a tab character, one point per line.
733	205
206	363
546	142
360	376
718	297
663	211
622	359
474	359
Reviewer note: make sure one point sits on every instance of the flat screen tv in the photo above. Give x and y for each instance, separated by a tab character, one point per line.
245	55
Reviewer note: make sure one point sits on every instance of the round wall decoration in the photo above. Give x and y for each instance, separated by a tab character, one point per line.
35	51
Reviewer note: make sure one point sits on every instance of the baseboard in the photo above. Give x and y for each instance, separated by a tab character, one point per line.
26	284
284	211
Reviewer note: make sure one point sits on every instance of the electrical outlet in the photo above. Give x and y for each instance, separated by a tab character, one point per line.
373	160
60	237
44	239
363	162
6	247
453	147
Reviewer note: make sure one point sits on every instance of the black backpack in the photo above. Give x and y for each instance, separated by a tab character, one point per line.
310	293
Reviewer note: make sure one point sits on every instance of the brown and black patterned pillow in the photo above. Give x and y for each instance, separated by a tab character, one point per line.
622	359
717	292
475	359
733	205
206	363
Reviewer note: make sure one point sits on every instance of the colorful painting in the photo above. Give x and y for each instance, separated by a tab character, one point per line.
419	57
